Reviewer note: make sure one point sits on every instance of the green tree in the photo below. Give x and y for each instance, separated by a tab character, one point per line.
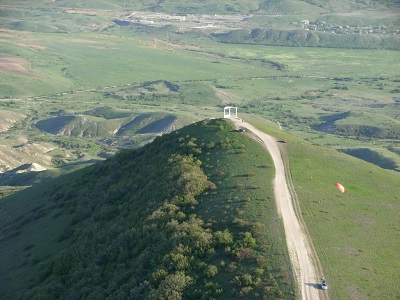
223	237
211	271
171	288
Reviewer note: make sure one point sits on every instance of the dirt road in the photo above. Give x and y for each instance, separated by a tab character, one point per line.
299	245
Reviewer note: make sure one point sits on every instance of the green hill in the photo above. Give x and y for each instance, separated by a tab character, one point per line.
190	215
81	80
302	38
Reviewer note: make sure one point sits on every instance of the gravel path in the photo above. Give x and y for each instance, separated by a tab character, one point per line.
299	245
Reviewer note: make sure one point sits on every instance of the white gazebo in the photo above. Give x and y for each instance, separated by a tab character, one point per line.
227	112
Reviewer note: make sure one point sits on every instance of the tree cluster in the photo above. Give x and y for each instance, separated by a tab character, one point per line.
135	234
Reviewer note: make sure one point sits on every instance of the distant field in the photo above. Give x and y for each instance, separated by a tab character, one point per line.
46	68
320	61
64	65
300	88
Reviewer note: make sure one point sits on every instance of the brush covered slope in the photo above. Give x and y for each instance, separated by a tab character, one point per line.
189	216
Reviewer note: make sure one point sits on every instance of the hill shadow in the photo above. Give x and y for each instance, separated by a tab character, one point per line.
134	123
12	178
158	125
29	178
54	125
372	157
329	122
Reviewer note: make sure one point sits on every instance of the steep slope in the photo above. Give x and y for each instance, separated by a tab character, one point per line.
8	118
106	122
18	152
187	215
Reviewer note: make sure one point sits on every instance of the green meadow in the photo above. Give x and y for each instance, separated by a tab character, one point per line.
314	83
355	233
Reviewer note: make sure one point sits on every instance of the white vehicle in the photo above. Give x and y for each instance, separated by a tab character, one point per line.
324	286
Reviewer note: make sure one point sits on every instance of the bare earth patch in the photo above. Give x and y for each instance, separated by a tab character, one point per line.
5	34
14	65
81	12
12	157
8	119
371	14
81	41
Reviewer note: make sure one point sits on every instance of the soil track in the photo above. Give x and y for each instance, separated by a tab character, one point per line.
305	262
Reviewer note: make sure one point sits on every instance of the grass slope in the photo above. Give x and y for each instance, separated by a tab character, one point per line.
191	214
356	233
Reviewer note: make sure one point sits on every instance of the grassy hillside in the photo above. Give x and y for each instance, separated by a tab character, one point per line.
190	215
356	233
200	195
301	38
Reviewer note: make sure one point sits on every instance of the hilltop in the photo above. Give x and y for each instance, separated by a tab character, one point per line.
191	214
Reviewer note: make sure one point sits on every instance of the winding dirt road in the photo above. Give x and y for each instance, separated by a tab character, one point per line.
301	251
